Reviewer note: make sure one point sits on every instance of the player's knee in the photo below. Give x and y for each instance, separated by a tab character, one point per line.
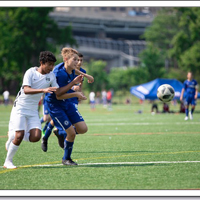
18	137
35	135
82	129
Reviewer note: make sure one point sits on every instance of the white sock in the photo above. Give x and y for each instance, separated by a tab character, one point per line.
11	151
26	137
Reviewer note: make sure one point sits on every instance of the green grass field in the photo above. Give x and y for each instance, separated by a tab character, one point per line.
122	150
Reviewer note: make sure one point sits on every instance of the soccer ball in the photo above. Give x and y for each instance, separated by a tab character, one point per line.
165	93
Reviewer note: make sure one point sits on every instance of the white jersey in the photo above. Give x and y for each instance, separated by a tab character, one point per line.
35	80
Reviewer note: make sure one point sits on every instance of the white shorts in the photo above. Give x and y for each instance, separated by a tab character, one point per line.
21	121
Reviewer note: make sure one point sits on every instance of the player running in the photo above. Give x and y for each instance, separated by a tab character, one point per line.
191	93
24	120
61	135
24	115
63	112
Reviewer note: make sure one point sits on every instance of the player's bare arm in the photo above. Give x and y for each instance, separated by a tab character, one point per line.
182	92
89	77
29	90
79	95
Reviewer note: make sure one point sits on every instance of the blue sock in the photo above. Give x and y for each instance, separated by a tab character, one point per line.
186	112
192	110
45	127
68	146
41	120
48	131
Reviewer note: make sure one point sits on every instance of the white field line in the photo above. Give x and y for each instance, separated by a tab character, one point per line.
143	124
118	163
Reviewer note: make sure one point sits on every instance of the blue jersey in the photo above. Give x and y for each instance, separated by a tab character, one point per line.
190	87
63	79
63	112
75	99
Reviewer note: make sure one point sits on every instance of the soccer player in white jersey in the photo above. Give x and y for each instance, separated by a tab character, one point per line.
24	120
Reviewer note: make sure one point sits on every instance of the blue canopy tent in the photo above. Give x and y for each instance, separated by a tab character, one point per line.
149	90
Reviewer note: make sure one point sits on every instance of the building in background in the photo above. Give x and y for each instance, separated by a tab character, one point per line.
107	33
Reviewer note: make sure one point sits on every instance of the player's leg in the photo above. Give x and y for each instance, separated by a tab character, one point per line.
11	131
61	136
68	146
19	125
81	127
48	131
193	104
62	121
187	102
46	117
77	120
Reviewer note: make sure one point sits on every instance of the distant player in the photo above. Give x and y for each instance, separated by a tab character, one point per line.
191	93
24	120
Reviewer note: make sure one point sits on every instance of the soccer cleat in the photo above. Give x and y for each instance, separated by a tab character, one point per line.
68	162
186	118
61	138
9	165
191	116
44	144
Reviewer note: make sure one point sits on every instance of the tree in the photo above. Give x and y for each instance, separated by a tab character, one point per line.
152	60
25	32
123	79
187	40
97	70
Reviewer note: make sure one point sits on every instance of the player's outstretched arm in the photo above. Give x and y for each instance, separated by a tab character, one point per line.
196	91
29	90
89	77
79	95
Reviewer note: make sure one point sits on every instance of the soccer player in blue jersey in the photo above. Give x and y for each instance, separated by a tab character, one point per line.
62	111
76	88
191	92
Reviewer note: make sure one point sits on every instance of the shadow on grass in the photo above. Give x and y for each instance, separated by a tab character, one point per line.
100	166
80	152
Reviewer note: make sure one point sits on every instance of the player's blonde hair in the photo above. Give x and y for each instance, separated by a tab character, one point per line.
67	52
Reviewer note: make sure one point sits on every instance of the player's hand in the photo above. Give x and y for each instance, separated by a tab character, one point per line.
49	90
80	96
195	97
90	79
78	79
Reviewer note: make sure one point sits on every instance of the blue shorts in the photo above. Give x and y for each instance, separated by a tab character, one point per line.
189	99
64	116
45	108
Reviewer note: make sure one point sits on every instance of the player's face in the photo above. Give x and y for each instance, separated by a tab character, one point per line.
47	67
80	61
189	75
73	61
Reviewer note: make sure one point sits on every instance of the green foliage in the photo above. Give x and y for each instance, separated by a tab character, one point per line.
25	32
175	32
123	79
152	60
97	70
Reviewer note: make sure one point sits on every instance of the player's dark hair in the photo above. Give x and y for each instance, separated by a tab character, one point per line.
80	55
47	56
